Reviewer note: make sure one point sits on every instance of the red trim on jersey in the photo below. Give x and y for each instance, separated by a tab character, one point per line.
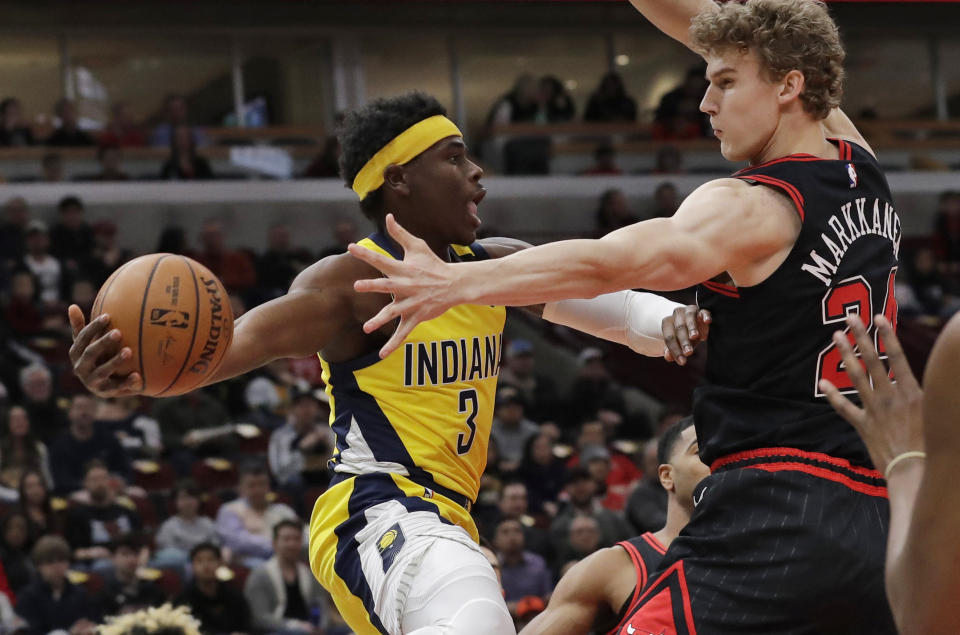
782	452
846	150
792	157
791	191
821	471
661	613
722	289
653	542
640	567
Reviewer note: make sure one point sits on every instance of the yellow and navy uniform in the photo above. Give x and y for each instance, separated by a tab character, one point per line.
413	428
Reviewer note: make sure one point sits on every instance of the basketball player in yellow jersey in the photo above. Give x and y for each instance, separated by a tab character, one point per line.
392	539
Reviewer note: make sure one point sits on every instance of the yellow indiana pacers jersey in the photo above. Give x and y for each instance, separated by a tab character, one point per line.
425	411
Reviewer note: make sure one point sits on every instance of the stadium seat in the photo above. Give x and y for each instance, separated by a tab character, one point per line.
154	475
214	473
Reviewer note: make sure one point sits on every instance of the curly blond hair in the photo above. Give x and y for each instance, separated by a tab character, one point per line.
785	35
163	620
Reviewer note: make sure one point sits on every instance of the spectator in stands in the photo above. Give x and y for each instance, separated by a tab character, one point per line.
185	529
510	427
106	256
191	426
15	545
581	492
13	231
615	473
21	308
929	291
51	168
20	451
71	238
283	593
669	161
82	442
184	164
646	508
514	504
521	104
523	573
45	267
946	226
220	607
582	540
610	101
245	524
556	104
138	434
542	473
121	131
13	131
109	157
69	132
325	165
98	520
36	384
538	391
36	505
234	267
665	201
53	603
604	162
613	212
281	263
174	114
344	232
300	448
123	590
593	389
678	115
173	240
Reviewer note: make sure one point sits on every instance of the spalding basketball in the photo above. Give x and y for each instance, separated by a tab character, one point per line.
175	316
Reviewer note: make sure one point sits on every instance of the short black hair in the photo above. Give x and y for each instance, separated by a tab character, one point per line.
253	467
576	474
368	129
129	541
69	201
94	464
204	546
669	439
186	486
287	523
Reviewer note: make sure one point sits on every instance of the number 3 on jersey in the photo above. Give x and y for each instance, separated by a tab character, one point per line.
852	295
469	405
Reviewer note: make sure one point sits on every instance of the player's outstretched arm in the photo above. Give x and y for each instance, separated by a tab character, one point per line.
647	323
580	594
295	325
724	225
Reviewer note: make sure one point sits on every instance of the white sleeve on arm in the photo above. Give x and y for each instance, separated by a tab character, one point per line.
626	317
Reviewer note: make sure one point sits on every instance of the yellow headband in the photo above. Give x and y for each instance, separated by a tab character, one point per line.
402	149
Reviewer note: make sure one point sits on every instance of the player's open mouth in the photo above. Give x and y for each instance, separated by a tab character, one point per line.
475	201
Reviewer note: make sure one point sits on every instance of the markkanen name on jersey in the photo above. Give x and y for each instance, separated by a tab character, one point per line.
451	361
848	225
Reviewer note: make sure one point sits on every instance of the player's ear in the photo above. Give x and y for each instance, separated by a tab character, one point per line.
666	476
394	177
791	86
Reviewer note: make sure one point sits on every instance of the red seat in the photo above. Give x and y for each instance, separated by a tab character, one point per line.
162	478
214	474
170	583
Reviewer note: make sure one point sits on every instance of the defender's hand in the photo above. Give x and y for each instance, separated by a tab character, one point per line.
96	354
688	326
891	419
420	285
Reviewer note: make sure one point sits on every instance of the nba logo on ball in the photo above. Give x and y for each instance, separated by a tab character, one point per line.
852	173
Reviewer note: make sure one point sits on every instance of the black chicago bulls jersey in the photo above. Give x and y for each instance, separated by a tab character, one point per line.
771	343
646	552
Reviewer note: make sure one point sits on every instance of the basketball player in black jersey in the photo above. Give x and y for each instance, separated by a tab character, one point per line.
598	592
790	529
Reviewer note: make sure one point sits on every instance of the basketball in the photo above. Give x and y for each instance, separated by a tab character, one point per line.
175	316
